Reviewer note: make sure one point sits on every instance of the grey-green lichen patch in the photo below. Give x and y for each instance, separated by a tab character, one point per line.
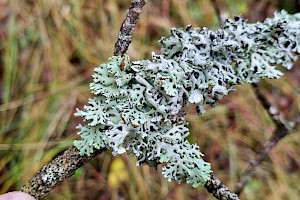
138	106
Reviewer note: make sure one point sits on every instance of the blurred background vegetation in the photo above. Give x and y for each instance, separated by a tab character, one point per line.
48	49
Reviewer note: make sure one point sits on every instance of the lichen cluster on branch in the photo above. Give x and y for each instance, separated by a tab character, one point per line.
138	105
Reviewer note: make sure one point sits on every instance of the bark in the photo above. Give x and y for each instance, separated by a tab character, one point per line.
127	28
59	169
219	190
65	165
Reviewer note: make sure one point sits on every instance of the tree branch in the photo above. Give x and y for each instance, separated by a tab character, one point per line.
283	128
219	190
65	165
127	28
221	14
273	113
56	171
279	133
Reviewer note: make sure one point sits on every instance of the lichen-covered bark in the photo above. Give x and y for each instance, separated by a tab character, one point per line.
127	28
56	171
65	165
219	190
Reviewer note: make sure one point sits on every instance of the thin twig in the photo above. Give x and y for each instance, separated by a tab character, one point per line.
283	128
221	14
219	190
279	133
65	165
127	28
273	113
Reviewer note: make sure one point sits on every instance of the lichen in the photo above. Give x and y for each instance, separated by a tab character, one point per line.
138	106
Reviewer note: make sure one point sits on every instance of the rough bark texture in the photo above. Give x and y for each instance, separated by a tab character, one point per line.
219	190
127	28
56	171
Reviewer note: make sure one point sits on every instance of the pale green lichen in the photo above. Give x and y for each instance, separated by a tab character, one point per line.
138	106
